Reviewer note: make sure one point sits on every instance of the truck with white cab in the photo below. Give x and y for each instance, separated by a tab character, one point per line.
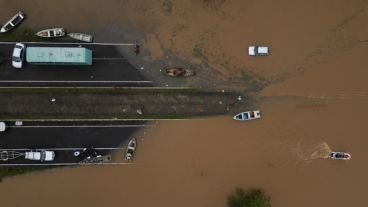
257	50
40	155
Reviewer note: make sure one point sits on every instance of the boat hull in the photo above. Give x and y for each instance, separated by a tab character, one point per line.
179	72
247	115
81	37
13	22
340	156
132	145
51	33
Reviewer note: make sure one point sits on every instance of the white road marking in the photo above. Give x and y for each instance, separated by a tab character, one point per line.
66	149
47	81
45	120
63	164
73	43
107	58
62	87
79	126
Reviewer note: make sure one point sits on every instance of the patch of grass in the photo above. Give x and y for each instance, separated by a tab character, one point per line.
252	198
111	90
197	51
27	35
93	116
13	171
19	35
246	76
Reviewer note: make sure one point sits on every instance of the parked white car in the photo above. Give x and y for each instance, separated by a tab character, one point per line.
18	55
257	50
2	126
42	155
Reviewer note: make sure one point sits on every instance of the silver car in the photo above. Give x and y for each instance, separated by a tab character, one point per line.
18	55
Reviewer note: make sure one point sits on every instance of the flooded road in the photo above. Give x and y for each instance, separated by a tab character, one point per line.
198	162
315	102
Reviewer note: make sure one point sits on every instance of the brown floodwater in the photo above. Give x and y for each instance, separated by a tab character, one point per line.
317	104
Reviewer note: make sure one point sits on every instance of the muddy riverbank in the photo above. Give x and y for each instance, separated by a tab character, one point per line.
120	104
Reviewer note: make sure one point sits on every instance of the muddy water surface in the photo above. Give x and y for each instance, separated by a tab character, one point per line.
316	103
198	162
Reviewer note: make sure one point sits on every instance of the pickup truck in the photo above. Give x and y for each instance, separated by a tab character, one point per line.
40	155
257	50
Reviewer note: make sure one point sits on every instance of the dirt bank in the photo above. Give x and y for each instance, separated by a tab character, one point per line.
120	104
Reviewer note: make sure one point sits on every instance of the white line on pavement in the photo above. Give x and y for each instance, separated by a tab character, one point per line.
138	88
45	120
72	43
66	149
80	126
107	58
63	164
46	81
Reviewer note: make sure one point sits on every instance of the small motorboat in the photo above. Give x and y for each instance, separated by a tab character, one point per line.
132	145
15	20
248	115
81	37
179	72
50	33
340	156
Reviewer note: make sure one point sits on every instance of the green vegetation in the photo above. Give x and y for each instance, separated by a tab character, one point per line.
246	76
94	116
12	171
27	35
19	35
252	198
98	90
197	51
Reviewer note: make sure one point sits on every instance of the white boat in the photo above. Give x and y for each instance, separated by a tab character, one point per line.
81	37
248	115
132	145
16	19
340	156
50	33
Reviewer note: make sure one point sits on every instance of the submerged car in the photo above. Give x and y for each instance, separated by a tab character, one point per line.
2	126
40	155
257	50
18	55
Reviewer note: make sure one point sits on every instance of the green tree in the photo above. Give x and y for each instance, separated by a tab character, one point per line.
252	198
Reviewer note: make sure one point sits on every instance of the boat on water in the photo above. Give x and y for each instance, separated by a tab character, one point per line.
50	33
248	115
81	37
14	21
340	156
132	145
179	72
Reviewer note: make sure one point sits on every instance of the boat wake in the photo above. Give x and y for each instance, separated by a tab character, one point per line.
312	152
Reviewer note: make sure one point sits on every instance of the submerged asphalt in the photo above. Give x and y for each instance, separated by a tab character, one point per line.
109	68
64	137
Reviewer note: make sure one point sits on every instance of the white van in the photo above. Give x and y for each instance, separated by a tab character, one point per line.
2	126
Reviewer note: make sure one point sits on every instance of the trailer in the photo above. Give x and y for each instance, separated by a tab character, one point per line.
58	56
